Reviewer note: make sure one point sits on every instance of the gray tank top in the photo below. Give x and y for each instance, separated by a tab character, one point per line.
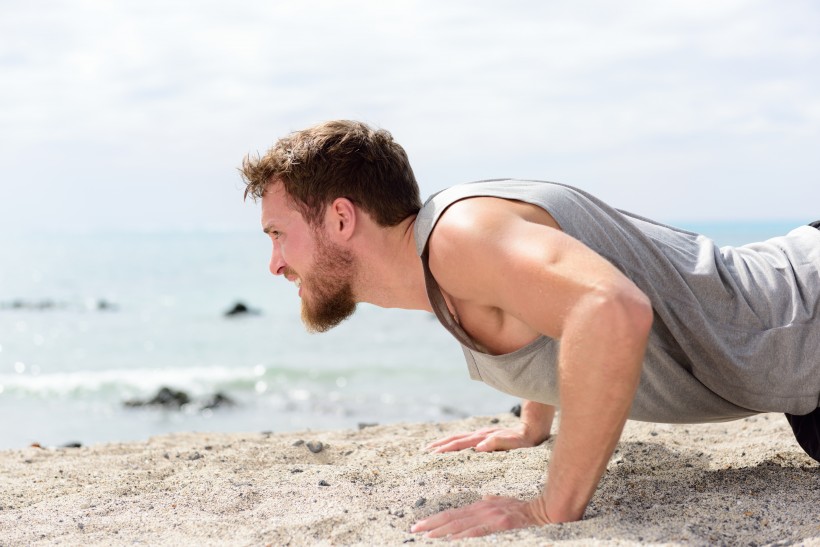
736	329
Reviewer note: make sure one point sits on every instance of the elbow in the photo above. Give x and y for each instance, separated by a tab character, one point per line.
626	312
638	308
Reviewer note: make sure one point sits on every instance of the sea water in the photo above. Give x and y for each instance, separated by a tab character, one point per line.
89	322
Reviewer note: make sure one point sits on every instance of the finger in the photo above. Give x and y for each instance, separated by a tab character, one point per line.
480	434
499	513
500	442
446	440
441	519
458	526
477	519
475	531
460	444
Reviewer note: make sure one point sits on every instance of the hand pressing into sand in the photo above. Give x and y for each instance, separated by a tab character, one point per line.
491	514
488	439
535	426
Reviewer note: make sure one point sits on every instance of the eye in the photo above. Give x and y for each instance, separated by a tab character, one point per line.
274	234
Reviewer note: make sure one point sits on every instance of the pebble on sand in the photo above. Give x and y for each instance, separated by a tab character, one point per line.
315	446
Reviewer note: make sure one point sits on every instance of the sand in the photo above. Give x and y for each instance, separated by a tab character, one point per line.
738	483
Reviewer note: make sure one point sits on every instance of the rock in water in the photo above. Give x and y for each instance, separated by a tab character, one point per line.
165	397
217	400
240	309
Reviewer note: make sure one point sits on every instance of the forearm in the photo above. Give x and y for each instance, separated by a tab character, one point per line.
536	419
602	351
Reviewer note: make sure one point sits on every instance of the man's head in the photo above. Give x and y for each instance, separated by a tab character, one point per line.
338	159
311	183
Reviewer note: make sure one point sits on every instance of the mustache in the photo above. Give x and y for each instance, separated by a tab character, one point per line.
288	271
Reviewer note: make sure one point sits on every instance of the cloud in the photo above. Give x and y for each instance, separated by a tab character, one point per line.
628	99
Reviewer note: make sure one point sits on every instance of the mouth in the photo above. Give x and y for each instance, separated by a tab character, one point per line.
291	276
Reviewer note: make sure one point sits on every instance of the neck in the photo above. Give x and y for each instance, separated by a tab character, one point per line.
390	271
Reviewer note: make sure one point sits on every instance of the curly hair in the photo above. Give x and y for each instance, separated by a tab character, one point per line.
338	159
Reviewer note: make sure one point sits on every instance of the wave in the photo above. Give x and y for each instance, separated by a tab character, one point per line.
197	381
130	382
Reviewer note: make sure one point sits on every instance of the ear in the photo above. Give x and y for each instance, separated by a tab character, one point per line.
340	219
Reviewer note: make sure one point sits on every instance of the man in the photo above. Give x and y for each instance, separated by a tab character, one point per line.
555	297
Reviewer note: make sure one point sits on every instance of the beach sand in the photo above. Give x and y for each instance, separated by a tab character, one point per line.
739	483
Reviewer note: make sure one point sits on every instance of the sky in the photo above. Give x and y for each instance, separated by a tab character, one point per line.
134	116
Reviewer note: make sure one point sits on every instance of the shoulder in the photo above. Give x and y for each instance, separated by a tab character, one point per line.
470	220
485	219
483	236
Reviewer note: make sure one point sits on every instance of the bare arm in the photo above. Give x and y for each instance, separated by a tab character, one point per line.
507	257
536	419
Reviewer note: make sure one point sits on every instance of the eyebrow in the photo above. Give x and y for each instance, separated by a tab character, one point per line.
269	228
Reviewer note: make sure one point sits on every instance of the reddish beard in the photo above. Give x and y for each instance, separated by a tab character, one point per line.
327	297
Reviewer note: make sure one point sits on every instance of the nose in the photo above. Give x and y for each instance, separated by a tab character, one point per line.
277	263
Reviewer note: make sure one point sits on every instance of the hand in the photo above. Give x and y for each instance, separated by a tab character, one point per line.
488	439
491	514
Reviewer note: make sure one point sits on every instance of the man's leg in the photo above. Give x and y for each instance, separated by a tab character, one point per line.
807	430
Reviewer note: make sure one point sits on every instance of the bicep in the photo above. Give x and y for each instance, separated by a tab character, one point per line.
502	254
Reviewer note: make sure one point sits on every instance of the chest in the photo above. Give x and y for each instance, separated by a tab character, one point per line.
493	330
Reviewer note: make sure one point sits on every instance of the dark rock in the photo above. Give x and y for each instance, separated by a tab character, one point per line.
37	305
516	410
300	442
494	421
451	411
420	502
105	305
195	456
315	446
73	444
323	483
217	400
48	305
165	397
240	309
363	425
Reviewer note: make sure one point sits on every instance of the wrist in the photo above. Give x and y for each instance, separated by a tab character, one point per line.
536	421
544	516
534	433
538	510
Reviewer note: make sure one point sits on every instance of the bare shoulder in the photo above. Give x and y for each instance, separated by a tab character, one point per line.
474	236
474	215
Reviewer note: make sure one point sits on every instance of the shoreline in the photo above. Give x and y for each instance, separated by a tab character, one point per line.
736	482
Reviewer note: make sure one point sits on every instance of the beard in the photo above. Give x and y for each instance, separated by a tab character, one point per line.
328	295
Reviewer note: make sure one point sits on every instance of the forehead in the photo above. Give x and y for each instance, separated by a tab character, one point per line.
279	210
275	201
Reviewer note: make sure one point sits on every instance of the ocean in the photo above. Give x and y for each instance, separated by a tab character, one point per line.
91	322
